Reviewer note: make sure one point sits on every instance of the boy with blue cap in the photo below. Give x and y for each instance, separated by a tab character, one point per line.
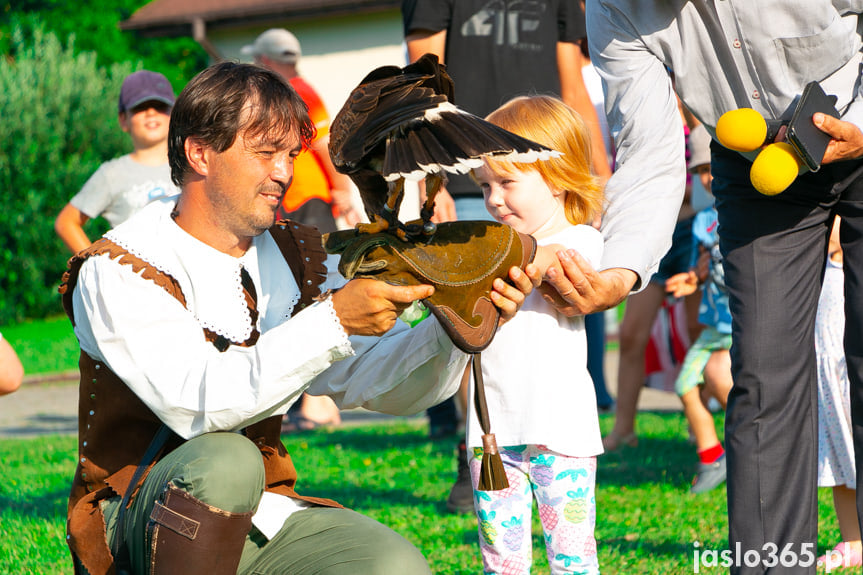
120	187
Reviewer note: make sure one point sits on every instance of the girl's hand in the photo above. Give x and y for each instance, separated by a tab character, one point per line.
546	258
509	298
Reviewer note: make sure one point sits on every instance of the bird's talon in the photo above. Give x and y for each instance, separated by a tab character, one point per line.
373	227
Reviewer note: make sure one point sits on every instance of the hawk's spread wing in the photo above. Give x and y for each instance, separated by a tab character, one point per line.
401	123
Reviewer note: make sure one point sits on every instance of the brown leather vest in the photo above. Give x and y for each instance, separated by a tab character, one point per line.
115	427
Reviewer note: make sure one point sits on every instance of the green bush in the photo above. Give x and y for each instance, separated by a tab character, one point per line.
59	122
95	26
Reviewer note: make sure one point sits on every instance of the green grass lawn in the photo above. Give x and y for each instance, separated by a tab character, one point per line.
44	346
646	520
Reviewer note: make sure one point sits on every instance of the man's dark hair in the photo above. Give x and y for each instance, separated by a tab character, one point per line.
212	109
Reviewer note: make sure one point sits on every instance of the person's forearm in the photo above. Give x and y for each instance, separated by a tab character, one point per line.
444	205
69	227
402	373
421	42
546	257
574	93
621	282
645	193
74	238
343	201
11	370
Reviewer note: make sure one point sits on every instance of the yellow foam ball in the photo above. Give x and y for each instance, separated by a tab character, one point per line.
775	168
742	130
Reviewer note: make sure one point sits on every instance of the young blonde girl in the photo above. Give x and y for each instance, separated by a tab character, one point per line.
540	395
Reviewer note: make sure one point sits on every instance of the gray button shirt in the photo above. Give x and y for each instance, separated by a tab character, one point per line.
724	54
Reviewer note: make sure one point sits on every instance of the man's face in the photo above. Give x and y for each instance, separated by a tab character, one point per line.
246	183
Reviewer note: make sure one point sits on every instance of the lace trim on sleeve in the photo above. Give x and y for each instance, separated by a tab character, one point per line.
344	343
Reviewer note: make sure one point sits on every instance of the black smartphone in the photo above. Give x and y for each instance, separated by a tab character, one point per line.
810	142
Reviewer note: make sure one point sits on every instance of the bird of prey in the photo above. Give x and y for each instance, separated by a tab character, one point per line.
401	124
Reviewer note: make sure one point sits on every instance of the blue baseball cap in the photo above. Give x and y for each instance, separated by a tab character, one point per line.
145	86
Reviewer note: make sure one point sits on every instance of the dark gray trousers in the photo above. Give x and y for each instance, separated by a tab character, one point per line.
774	251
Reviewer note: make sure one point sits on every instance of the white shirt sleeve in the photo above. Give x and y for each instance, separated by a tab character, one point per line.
402	373
157	347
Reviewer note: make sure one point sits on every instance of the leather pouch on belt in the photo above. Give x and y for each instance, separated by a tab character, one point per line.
461	260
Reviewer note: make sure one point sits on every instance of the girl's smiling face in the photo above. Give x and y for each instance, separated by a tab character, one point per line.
522	200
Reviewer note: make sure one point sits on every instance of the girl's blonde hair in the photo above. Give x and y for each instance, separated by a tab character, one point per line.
548	121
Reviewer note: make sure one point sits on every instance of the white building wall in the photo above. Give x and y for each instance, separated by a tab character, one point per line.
337	52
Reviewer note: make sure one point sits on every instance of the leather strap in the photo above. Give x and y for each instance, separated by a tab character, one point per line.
479	394
174	521
191	537
118	547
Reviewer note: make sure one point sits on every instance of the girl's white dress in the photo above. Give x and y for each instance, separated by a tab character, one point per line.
835	444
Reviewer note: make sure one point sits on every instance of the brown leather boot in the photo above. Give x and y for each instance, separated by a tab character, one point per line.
191	537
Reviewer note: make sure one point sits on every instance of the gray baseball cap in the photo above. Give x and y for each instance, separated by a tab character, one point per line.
277	44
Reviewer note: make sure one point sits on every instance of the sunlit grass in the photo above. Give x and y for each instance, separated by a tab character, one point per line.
646	520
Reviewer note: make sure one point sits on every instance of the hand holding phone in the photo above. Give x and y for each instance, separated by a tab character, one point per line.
808	141
779	162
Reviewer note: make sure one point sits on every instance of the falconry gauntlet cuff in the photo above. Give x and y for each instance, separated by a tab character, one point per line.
461	260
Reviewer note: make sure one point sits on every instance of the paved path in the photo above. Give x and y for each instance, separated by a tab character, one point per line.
50	405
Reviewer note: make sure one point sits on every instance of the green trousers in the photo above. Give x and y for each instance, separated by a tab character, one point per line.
225	470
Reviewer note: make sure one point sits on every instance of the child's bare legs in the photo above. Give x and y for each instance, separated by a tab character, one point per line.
711	468
713	367
849	552
641	310
700	419
717	376
844	500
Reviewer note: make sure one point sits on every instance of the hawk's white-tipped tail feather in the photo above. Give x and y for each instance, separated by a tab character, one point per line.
528	157
400	123
434	114
451	140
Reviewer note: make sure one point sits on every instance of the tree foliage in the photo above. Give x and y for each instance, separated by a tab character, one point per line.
95	26
59	123
61	67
